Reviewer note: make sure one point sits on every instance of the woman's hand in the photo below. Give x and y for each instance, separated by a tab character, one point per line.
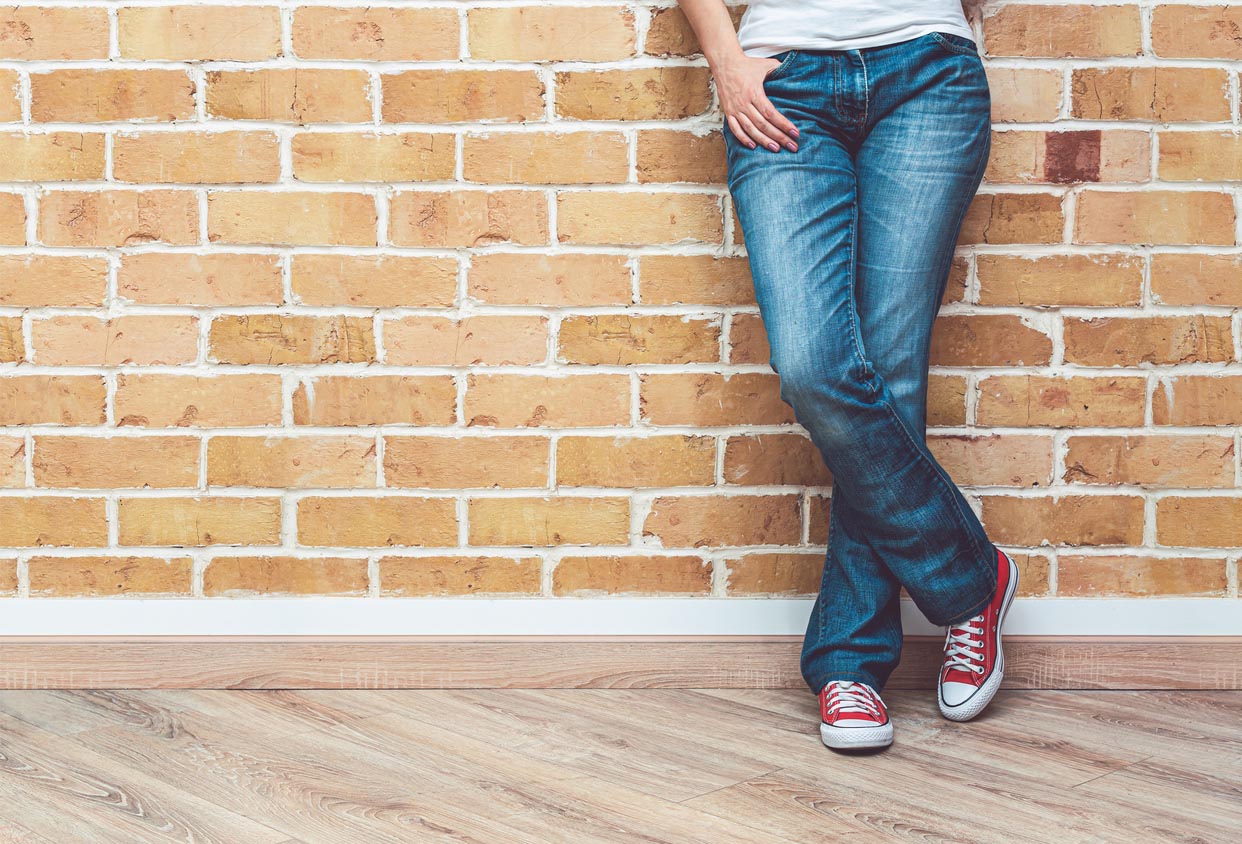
750	114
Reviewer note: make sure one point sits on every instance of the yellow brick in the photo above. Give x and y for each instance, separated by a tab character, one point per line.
51	156
468	218
621	218
1200	156
1026	400
1111	341
774	574
1189	461
118	218
670	155
12	346
155	278
33	33
146	339
290	95
512	401
1025	95
385	281
12	462
438	96
1131	576
1163	94
52	400
554	158
349	157
424	576
292	462
1202	521
1079	31
988	340
199	33
695	279
52	281
376	33
620	339
196	522
492	339
277	339
706	398
657	461
551	33
516	278
376	400
1196	279
284	575
196	157
774	459
80	95
377	522
632	574
716	520
648	93
995	460
296	218
1200	31
192	401
44	521
549	521
466	462
72	577
113	462
1013	218
1081	280
1180	217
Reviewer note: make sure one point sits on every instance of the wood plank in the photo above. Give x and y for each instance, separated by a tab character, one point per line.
581	662
601	735
558	808
39	769
382	790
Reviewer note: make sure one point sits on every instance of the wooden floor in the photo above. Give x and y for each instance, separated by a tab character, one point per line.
587	765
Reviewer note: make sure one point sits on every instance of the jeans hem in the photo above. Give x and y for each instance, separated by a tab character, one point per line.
976	608
858	676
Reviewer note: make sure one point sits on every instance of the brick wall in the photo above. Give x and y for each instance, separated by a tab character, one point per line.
422	299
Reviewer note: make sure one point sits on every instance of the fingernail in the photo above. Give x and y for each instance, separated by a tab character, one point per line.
750	144
795	133
792	146
772	146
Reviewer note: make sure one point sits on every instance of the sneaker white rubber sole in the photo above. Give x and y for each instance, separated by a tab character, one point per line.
854	738
977	702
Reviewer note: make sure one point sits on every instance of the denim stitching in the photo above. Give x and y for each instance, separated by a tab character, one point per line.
949	45
866	90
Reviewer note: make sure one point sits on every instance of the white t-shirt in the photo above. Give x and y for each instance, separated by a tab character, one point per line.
769	27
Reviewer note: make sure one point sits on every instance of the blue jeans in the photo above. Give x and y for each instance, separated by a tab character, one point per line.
850	241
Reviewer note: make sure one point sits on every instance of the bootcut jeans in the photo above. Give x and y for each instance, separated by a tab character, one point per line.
850	241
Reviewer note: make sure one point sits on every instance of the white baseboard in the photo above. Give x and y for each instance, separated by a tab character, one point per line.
335	616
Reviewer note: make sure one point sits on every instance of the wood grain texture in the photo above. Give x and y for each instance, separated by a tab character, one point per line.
610	766
594	662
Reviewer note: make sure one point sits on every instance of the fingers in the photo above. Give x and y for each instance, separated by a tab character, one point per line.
774	126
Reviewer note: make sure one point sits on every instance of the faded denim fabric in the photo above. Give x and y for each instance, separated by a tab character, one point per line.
850	242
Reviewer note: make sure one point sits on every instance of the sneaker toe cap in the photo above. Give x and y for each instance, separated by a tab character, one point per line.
955	694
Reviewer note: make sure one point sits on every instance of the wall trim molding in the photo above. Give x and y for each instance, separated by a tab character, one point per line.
641	617
438	662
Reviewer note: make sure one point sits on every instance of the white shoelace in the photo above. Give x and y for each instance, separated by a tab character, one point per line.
961	648
846	696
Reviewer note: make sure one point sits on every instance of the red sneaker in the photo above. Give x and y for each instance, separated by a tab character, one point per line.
852	715
973	660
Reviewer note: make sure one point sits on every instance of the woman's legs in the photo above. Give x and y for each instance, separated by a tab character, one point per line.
850	240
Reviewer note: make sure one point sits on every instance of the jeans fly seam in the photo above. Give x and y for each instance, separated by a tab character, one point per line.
866	90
